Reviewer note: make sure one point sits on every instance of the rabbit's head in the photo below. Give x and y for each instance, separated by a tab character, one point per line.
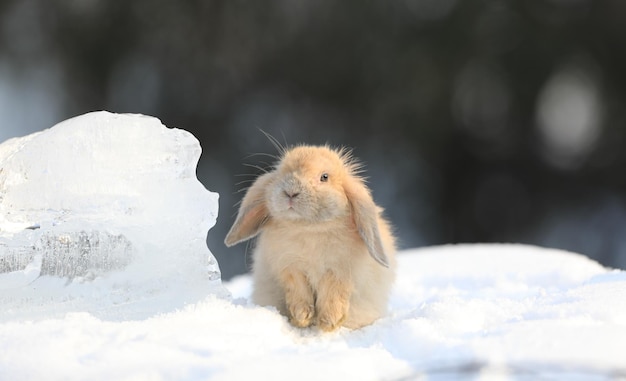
311	185
308	185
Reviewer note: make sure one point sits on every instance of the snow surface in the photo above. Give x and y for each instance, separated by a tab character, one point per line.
457	312
105	275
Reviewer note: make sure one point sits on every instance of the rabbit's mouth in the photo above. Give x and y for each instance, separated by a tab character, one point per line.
287	208
290	202
292	213
290	205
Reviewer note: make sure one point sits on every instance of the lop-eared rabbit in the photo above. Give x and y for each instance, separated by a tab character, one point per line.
324	255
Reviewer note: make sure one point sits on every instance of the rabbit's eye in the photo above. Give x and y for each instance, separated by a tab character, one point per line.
324	177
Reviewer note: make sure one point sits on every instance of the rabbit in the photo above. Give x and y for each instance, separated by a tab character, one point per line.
324	255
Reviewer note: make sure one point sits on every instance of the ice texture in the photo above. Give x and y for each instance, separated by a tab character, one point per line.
104	205
71	255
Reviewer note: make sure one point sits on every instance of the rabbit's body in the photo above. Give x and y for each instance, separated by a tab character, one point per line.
318	252
324	255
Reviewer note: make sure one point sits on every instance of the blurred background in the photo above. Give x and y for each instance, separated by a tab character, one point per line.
478	120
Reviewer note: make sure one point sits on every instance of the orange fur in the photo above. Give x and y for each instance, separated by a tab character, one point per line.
324	255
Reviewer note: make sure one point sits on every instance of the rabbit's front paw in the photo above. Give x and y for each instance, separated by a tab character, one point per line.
301	314
331	314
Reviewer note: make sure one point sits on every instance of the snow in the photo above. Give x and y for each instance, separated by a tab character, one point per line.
129	292
457	312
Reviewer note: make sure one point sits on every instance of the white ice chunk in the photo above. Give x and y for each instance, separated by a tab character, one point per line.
109	204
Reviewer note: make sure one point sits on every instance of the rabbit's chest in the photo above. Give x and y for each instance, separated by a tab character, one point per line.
311	252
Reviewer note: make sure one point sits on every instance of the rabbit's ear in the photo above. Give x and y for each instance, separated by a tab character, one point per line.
252	213
365	216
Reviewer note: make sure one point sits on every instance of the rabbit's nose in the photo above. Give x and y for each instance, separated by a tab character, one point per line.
291	195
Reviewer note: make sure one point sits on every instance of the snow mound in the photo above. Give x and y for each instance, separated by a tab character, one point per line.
101	213
467	312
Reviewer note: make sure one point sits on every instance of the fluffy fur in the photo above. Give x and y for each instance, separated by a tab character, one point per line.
324	255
